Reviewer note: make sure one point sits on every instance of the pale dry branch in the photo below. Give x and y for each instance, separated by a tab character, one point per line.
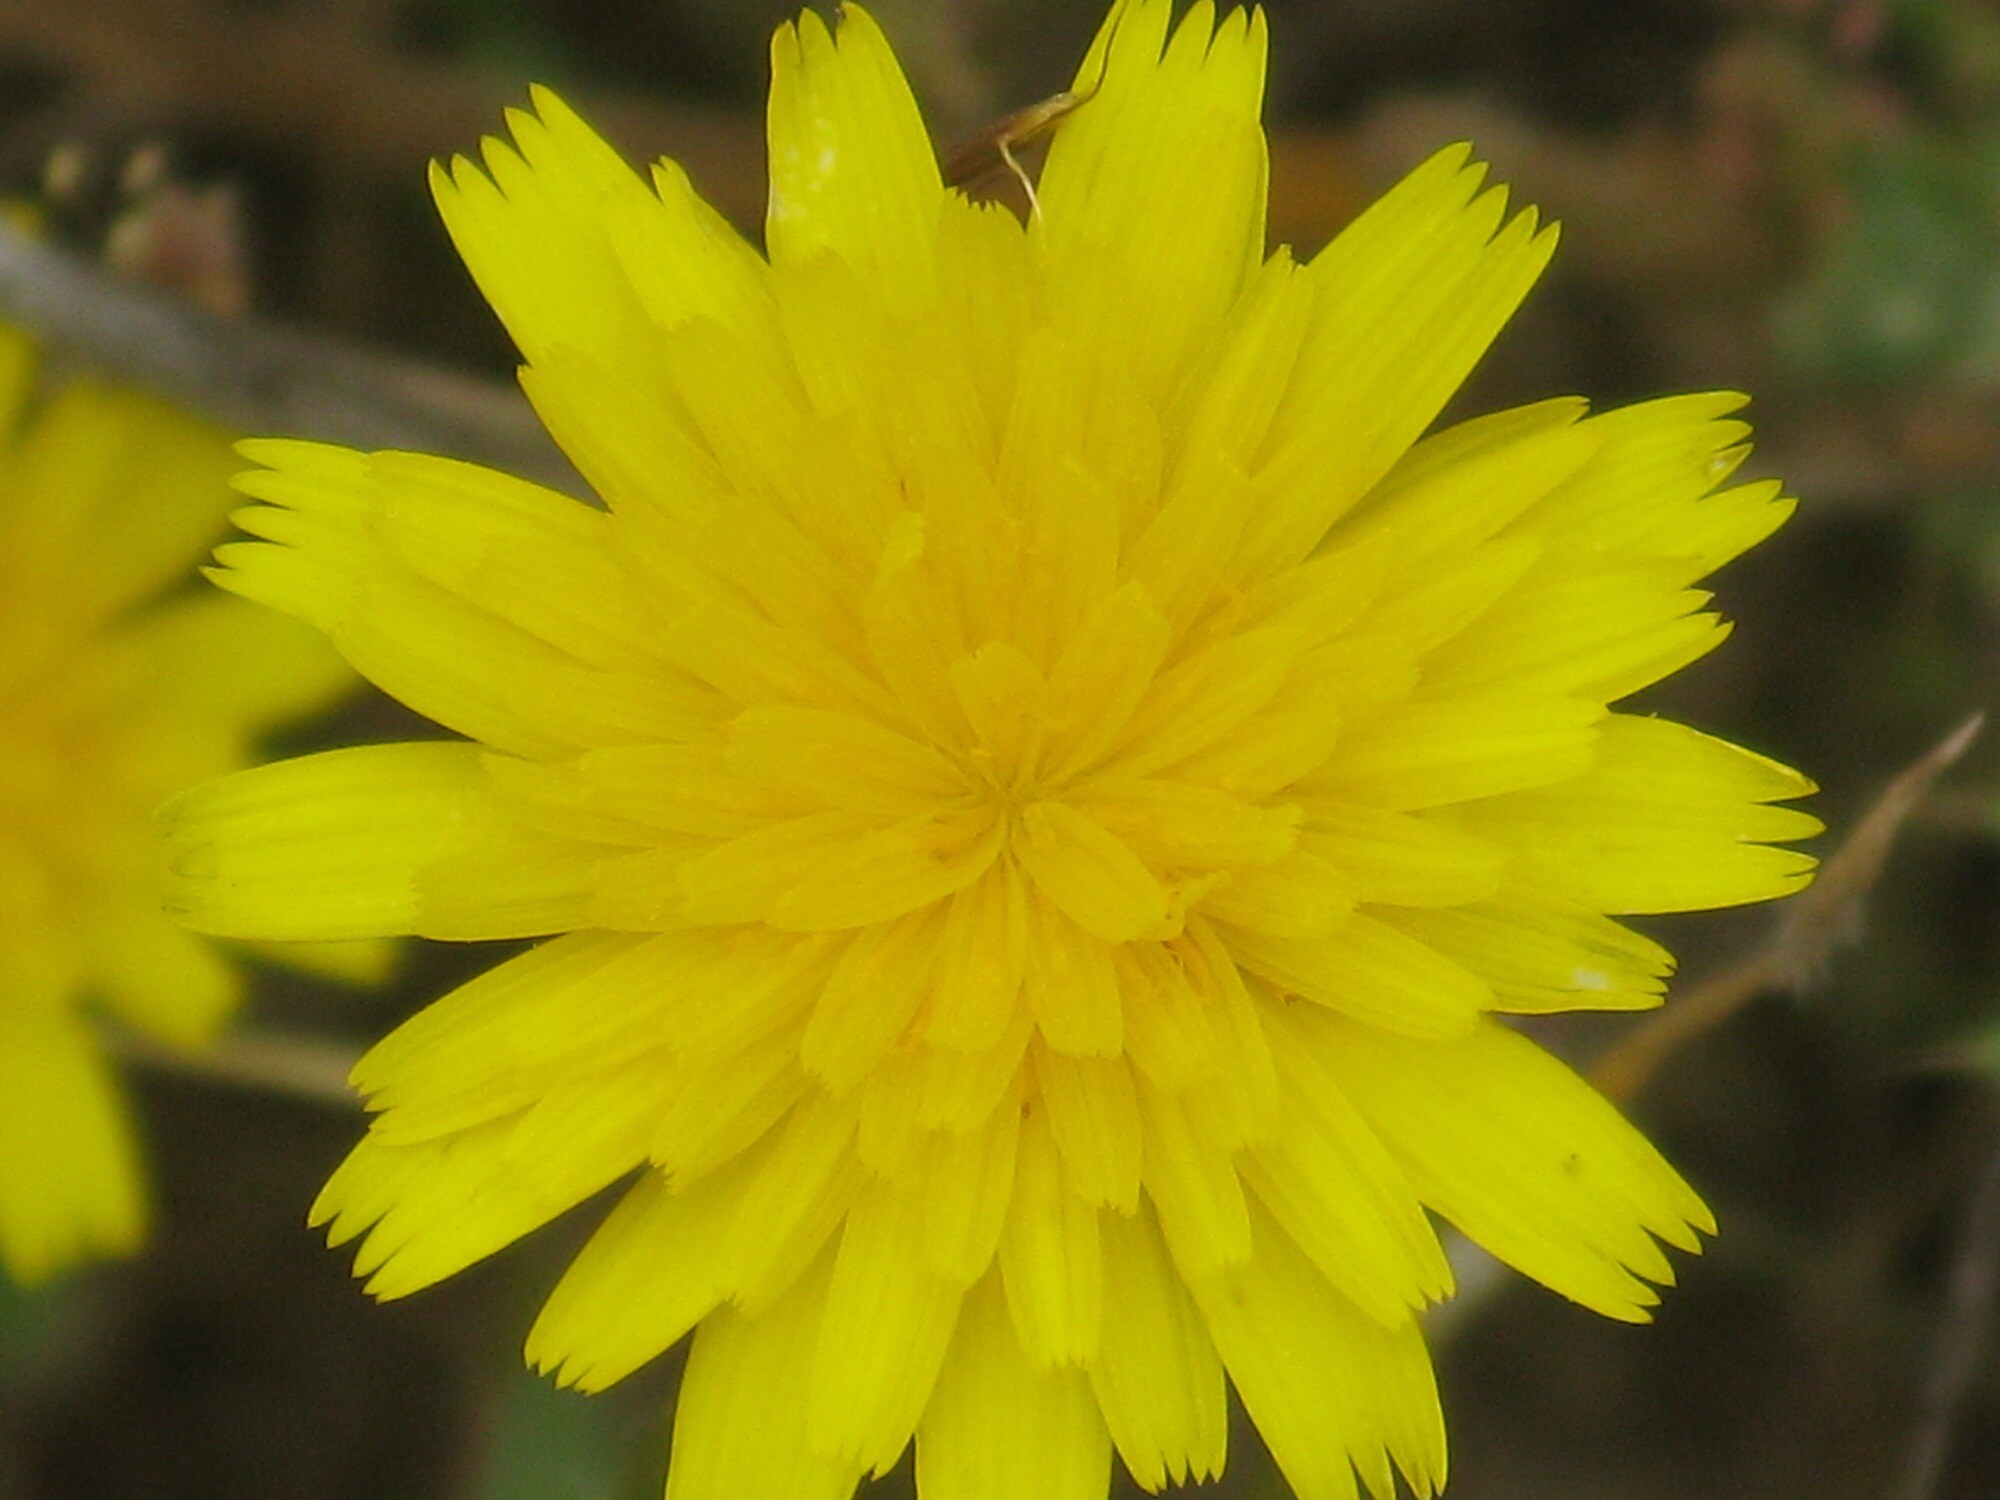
1811	927
262	378
1961	1337
1828	912
313	1069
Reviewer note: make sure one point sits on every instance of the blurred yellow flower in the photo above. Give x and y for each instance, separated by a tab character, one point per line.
1043	779
114	693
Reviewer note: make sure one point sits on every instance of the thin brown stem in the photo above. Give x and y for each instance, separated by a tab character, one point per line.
1813	925
1961	1338
258	377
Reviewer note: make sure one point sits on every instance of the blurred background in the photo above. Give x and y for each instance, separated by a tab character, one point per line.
1799	199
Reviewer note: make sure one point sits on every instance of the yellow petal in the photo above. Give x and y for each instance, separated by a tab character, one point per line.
1332	1185
1666	819
1094	1115
362	963
1050	1258
231	668
1650	491
999	1427
1091	875
720	1107
334	845
1603	631
620	425
682	257
1157	1378
1177	824
743	879
815	758
985	279
1456	750
852	172
1326	1386
521	885
891	1128
888	871
531	229
1300	896
1400	859
1204	698
884	1334
1103	674
873	994
1243	1109
956	1089
1543	953
101	462
483	602
1410	295
1073	988
1522	1155
792	1203
1229	415
1171	1030
968	1186
432	1209
493	1046
649	1274
1080	445
1193	1186
1367	969
1433	603
1457	489
982	957
156	976
739	1423
70	1184
1160	112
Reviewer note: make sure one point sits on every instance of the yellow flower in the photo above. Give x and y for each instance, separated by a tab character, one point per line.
111	698
1044	780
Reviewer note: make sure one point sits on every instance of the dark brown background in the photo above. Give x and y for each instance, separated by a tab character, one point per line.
1797	198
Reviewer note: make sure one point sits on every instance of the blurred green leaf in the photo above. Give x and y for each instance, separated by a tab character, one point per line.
1962	525
1955	45
552	1444
1903	281
30	1321
512	37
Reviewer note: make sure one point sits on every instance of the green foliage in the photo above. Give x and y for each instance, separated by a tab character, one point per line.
552	1444
30	1322
1954	47
510	37
1908	287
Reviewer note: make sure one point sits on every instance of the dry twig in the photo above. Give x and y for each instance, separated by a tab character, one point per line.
1961	1336
1813	924
262	378
309	1068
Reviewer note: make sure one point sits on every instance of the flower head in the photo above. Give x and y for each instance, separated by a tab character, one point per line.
111	698
1043	777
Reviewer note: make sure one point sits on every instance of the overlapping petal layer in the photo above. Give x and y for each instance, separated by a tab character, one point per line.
1039	779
